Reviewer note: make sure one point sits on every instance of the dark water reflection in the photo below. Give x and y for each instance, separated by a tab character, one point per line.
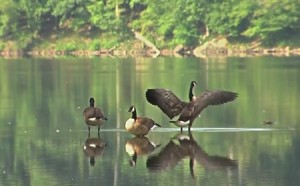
182	146
44	140
93	147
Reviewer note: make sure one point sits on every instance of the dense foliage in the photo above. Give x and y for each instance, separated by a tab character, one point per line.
166	23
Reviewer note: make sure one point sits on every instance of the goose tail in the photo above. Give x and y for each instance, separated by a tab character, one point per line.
155	126
158	125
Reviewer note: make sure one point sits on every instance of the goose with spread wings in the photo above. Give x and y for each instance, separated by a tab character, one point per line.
187	112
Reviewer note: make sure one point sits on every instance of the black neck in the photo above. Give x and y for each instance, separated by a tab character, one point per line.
134	115
92	104
191	94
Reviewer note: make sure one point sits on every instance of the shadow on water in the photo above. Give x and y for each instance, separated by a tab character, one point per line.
184	146
93	147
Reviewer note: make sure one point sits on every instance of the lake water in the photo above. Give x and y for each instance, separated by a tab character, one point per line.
42	132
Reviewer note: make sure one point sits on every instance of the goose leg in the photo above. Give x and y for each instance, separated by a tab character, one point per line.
192	167
89	129
181	129
189	128
98	129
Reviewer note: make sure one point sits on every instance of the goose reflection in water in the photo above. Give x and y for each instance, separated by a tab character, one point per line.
93	147
139	146
184	146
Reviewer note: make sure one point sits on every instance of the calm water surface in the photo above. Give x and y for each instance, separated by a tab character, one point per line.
43	135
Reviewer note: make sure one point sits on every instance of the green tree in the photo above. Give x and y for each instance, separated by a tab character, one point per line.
8	18
230	18
279	23
165	23
178	22
25	15
72	14
111	16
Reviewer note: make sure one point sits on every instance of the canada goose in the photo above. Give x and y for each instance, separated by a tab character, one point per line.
139	146
93	147
187	112
139	126
93	116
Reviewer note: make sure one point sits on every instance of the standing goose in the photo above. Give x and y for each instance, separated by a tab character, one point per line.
139	126
93	116
187	112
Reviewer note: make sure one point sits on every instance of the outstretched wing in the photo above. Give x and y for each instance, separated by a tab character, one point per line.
217	97
166	100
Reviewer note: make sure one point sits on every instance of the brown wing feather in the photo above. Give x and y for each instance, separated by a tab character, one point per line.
166	100
146	122
89	112
213	98
143	125
98	113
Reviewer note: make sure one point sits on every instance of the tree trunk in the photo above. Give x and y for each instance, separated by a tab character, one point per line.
147	43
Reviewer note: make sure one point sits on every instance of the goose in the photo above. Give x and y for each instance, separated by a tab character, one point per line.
187	112
139	126
93	116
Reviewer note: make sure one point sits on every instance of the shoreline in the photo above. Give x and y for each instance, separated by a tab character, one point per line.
217	47
197	52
